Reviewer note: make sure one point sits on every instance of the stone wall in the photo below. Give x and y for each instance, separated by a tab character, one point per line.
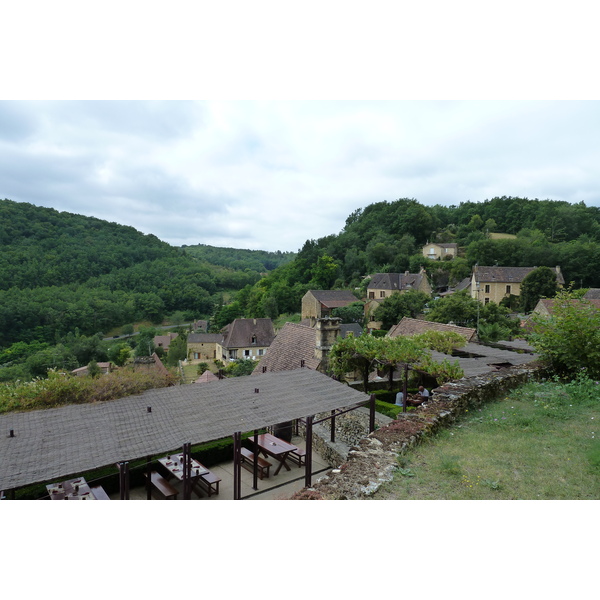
372	460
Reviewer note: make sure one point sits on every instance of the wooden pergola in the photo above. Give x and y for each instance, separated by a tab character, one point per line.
53	444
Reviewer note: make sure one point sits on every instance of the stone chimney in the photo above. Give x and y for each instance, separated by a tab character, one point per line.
326	332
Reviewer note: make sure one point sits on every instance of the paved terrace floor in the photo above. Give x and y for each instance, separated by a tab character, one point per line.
276	487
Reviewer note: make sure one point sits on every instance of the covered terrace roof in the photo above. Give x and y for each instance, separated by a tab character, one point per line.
55	443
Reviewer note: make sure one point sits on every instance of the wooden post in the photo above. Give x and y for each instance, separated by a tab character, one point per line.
308	461
148	478
255	462
237	475
405	388
332	427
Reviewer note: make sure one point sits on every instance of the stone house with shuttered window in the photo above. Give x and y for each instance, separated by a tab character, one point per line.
493	284
245	338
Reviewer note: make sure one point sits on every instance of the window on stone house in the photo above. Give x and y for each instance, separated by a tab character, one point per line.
487	288
508	289
246	353
382	294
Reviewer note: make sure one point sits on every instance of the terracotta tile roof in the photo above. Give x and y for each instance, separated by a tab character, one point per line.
506	274
293	343
408	326
550	303
241	332
164	340
207	377
53	444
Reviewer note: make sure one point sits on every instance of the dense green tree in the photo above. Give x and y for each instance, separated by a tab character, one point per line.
144	342
177	350
239	368
119	354
540	283
396	306
569	340
458	308
352	313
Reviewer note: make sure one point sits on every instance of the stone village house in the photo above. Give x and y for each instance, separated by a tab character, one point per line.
440	251
493	284
318	304
383	285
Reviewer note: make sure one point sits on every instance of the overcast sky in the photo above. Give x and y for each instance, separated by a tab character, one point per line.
270	175
293	161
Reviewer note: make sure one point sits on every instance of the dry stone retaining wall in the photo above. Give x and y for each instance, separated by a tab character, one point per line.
372	460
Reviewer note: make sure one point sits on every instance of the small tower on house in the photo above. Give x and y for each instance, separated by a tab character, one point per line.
327	330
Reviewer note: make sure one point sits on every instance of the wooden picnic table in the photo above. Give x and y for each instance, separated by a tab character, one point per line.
173	463
273	446
72	489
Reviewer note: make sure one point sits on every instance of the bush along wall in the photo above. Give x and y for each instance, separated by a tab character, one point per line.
372	461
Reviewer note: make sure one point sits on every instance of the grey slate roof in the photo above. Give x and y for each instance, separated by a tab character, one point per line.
487	357
408	326
354	328
395	281
506	274
56	443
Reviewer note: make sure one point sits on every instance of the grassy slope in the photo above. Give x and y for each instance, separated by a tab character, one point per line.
541	442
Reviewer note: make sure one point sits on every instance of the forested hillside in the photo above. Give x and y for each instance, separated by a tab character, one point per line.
238	259
389	236
63	274
67	279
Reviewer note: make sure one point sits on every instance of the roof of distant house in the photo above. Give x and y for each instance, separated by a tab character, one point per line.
164	341
408	326
395	281
249	332
354	328
101	365
508	274
592	294
550	303
293	344
444	245
465	284
204	338
206	377
334	298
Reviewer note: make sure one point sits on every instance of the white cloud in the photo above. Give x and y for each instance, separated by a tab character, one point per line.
271	175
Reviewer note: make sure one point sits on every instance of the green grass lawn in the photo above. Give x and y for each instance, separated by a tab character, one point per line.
540	442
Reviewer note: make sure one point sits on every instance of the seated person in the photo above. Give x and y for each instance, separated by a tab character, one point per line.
419	398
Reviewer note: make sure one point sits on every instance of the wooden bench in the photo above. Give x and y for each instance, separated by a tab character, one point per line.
209	482
263	465
298	456
99	493
162	485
